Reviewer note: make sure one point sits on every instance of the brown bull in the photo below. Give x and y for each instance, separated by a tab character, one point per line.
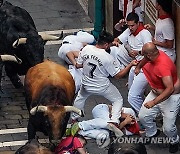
50	90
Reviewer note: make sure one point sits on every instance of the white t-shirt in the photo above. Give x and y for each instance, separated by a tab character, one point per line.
74	43
165	31
129	7
136	42
97	66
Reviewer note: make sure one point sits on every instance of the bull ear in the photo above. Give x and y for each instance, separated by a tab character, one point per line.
74	109
48	37
38	109
19	41
10	58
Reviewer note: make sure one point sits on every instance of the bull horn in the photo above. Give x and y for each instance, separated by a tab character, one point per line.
38	109
19	41
48	37
10	58
74	109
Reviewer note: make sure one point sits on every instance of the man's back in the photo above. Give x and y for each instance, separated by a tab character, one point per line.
97	66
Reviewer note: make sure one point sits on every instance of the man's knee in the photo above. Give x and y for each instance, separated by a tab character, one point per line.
169	128
142	116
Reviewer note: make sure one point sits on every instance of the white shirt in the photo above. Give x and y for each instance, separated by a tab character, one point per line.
129	7
165	31
136	42
74	43
97	66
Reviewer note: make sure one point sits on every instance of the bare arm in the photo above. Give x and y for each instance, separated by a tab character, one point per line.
140	65
136	4
72	55
149	27
169	89
81	151
128	120
166	44
123	72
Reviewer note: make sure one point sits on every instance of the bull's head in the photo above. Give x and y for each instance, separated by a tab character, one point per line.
34	46
56	120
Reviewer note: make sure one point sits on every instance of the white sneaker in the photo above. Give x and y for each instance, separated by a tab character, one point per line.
114	129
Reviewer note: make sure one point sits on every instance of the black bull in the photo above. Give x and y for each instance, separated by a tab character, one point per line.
19	37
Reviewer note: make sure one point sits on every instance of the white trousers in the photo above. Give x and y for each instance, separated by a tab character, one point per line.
74	43
137	85
77	76
65	48
171	54
111	93
98	125
121	54
169	109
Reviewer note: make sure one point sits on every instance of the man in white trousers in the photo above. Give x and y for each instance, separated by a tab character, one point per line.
74	43
99	124
97	65
133	38
69	51
164	97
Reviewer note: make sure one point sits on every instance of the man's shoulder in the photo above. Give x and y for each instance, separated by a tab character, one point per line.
145	31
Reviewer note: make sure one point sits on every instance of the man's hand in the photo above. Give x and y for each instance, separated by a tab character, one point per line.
134	62
137	70
149	104
129	119
133	53
115	43
149	27
120	24
155	42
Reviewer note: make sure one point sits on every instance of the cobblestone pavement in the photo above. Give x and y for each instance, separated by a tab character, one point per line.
52	16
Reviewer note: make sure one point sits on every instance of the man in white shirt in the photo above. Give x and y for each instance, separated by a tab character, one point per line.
164	37
133	38
74	43
97	66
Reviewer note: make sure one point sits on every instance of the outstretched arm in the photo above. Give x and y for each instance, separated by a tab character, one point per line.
124	71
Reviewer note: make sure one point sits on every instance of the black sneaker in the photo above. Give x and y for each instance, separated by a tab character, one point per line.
148	141
173	148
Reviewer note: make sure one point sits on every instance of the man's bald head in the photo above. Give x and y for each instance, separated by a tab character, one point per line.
150	51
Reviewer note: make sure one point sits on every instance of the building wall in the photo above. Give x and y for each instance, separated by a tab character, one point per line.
176	15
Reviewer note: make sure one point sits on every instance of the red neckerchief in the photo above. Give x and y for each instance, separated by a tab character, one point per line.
164	16
140	28
133	128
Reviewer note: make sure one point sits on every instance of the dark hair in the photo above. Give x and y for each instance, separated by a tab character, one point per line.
166	5
81	137
105	37
133	17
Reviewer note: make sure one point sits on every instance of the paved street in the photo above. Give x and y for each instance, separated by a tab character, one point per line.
50	17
